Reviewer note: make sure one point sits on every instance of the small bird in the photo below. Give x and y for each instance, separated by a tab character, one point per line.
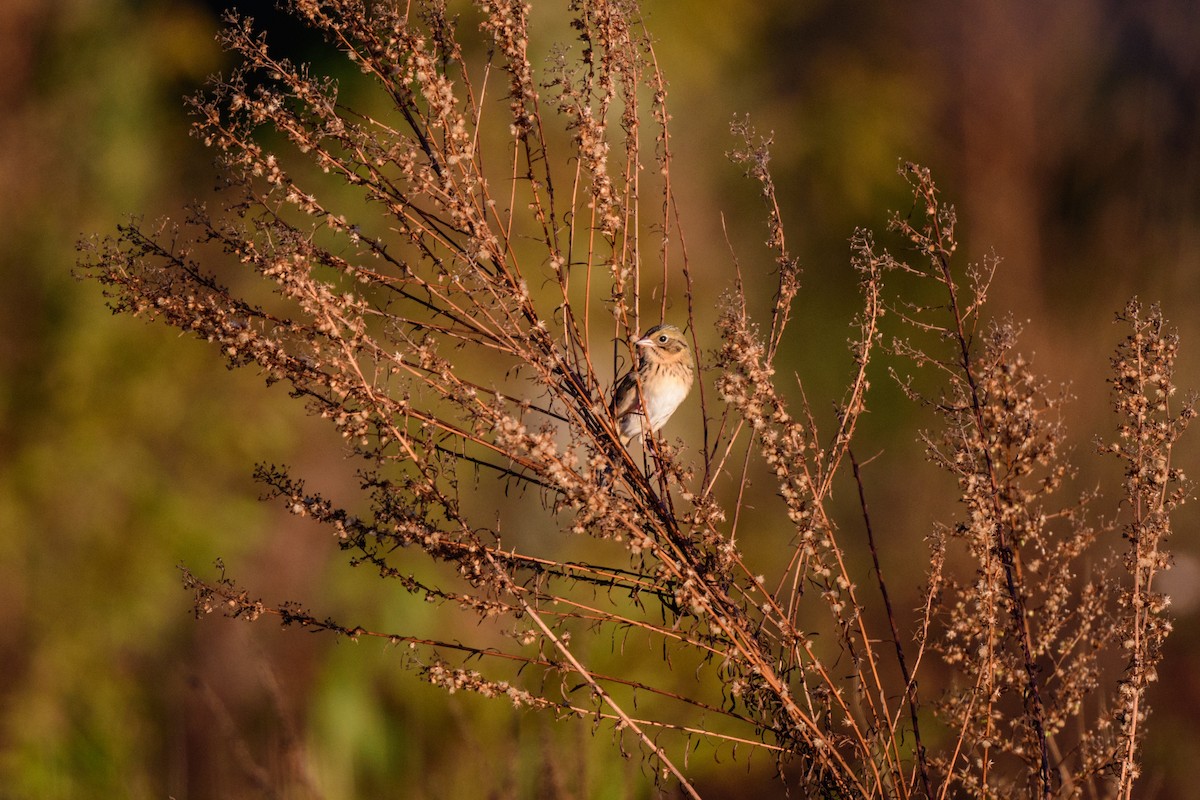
665	372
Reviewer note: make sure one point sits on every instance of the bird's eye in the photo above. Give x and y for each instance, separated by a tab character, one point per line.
662	338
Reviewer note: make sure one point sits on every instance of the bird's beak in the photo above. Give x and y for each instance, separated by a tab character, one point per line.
644	342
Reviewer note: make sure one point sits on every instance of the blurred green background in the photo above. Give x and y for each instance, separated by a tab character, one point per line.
1068	135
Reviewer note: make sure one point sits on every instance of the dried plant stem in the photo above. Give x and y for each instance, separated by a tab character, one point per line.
910	690
1004	547
605	698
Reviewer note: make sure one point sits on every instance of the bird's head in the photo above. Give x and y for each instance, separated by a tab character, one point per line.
663	344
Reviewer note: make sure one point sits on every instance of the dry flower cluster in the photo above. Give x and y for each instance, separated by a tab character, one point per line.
447	275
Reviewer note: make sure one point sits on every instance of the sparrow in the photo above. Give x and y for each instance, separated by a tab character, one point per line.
665	373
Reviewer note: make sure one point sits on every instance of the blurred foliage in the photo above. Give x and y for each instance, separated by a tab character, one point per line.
1069	136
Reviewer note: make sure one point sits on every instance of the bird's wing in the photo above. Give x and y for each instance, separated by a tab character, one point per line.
625	396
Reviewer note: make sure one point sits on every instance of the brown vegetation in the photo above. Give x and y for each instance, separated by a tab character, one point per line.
453	283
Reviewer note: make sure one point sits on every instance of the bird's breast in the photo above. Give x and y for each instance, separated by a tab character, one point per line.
666	399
